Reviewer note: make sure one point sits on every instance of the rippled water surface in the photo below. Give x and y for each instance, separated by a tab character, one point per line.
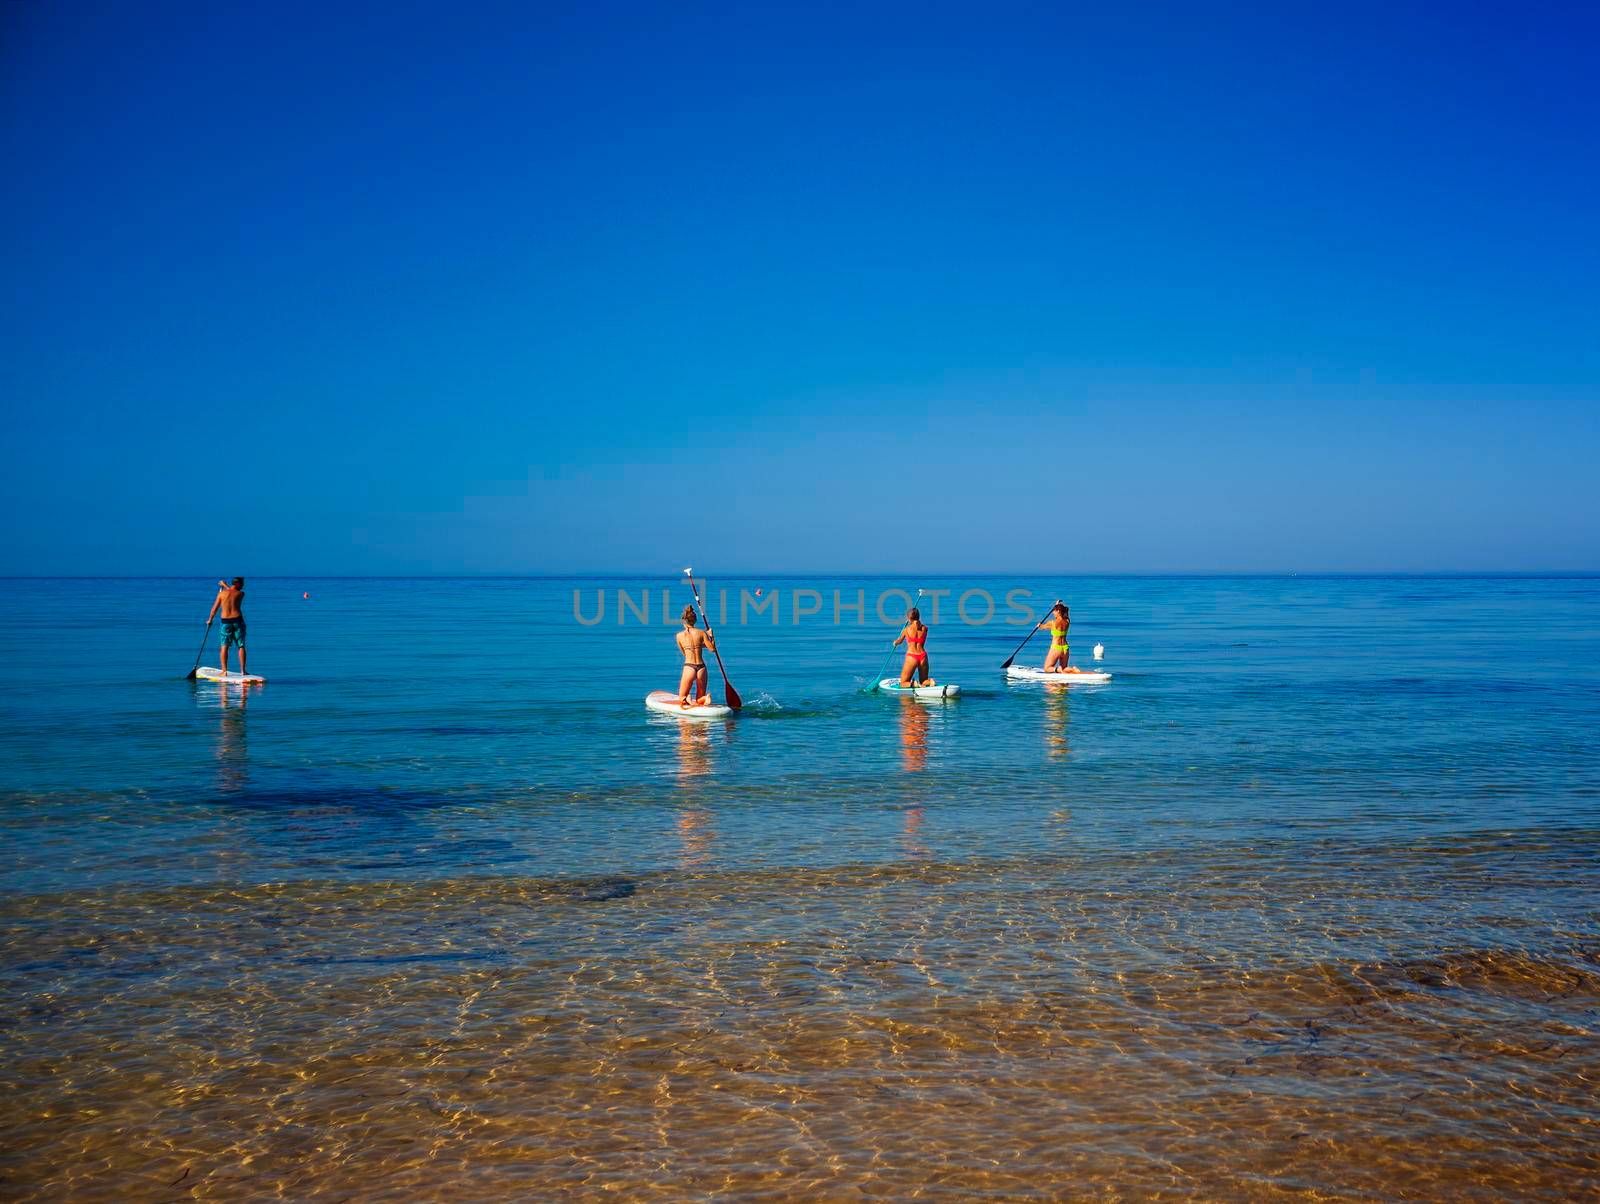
1302	904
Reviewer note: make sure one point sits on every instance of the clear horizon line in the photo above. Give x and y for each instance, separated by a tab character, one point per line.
784	575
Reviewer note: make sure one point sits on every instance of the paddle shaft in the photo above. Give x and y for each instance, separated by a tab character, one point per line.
882	669
202	650
727	686
1030	635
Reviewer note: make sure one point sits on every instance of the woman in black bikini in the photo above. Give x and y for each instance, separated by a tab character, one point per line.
693	642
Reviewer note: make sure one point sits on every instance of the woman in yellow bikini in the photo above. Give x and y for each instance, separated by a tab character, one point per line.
915	637
1056	623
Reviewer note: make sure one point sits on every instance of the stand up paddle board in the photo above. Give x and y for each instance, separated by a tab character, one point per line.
1080	677
232	679
667	703
893	686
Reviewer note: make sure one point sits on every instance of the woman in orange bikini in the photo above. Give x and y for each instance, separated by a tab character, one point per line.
1057	623
914	636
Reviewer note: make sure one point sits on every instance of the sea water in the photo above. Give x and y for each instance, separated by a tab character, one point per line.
1305	898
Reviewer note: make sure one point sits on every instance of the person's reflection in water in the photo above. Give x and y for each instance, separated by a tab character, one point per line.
233	759
913	734
914	721
698	837
1056	722
695	833
911	832
694	750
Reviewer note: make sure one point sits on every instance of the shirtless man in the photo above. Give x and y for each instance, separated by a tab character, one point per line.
696	678
230	607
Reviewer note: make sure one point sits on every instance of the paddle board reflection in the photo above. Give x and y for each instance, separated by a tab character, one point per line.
913	734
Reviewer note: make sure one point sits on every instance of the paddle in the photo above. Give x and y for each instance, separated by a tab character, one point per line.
878	676
1029	636
202	651
728	691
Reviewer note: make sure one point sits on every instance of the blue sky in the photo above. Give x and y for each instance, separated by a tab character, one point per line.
490	288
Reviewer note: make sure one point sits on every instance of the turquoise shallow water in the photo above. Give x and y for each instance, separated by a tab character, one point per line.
441	727
1337	839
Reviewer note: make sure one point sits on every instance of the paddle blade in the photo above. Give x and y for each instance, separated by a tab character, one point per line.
728	691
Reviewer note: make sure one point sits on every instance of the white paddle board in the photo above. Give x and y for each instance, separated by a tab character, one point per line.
232	679
1078	677
667	703
893	686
